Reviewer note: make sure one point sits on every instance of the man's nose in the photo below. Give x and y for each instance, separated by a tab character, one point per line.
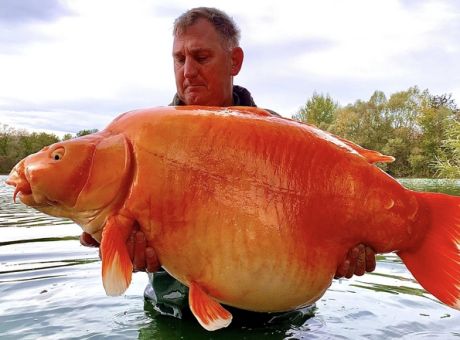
190	68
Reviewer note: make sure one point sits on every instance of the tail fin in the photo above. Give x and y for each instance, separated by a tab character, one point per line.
436	262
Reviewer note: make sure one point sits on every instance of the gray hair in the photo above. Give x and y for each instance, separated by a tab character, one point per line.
224	24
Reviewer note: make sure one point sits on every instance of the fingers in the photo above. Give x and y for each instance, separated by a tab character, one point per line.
370	259
130	245
151	260
139	251
142	256
342	270
360	267
359	260
353	256
87	240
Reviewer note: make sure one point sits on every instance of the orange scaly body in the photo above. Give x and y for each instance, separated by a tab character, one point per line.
255	211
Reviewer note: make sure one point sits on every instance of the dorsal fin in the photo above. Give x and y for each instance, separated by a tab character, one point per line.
370	155
253	110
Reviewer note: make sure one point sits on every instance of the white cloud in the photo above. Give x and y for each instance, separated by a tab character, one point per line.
95	54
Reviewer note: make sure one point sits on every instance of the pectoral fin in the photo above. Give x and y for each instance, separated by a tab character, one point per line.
209	313
117	267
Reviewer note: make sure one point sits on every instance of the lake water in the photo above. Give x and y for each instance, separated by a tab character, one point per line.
50	288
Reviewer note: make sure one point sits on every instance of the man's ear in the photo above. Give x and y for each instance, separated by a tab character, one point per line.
237	60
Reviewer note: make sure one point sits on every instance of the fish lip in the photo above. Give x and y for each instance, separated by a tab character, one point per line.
20	179
29	200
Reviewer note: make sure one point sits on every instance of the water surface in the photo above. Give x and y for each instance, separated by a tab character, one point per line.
50	288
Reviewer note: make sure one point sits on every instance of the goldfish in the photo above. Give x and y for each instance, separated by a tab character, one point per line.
247	209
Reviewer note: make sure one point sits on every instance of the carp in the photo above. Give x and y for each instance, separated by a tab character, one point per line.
246	209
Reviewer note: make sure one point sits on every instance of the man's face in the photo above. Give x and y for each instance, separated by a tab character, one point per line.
203	67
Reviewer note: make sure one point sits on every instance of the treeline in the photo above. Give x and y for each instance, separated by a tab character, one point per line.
421	130
17	144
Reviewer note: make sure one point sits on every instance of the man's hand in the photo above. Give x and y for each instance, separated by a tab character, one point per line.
88	241
360	259
142	256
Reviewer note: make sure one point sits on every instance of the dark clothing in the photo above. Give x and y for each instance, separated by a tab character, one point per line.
241	97
170	297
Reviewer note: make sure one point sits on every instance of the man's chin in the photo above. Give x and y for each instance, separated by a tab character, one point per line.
194	99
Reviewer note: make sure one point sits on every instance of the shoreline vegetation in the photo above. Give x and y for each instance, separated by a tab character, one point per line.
421	130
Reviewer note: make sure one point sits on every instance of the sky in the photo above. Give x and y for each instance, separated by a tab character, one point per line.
71	65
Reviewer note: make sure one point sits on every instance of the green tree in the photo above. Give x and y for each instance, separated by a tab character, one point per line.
67	136
434	123
6	139
86	132
403	113
364	122
448	163
403	108
319	110
17	144
33	142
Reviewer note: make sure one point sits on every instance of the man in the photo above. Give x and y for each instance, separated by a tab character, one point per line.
207	55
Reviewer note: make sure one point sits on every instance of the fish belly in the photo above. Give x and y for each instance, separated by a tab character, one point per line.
245	264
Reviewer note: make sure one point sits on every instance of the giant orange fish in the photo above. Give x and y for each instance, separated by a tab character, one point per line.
246	209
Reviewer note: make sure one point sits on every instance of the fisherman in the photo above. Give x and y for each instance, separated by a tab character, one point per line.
207	56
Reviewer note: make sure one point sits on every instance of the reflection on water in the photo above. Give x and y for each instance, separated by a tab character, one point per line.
50	287
447	186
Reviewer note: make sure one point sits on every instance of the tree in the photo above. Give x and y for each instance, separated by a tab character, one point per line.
364	122
319	110
402	108
444	100
67	136
347	124
86	132
33	142
448	162
6	139
17	144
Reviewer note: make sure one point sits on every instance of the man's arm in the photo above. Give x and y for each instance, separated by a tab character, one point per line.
360	259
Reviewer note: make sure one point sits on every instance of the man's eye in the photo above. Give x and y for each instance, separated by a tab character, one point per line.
179	60
202	59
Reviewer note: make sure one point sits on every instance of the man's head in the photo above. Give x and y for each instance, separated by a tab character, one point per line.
206	56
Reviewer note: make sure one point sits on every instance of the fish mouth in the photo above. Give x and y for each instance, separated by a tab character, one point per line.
23	189
18	179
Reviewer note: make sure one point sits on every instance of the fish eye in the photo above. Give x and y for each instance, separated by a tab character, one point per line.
57	154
